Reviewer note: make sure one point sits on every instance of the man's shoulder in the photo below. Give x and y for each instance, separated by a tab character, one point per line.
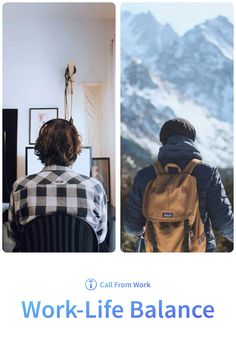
85	182
144	176
146	171
93	182
22	182
43	177
204	170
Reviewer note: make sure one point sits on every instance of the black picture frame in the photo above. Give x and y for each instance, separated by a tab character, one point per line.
37	117
101	171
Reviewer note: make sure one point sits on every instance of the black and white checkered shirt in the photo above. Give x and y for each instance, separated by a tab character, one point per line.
58	189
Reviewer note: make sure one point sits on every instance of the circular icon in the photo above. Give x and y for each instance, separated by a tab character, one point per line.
91	284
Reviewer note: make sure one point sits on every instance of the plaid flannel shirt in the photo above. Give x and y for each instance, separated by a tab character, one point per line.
58	189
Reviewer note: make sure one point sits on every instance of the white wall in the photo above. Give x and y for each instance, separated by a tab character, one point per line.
36	51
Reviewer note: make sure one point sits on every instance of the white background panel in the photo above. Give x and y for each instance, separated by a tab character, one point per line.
175	278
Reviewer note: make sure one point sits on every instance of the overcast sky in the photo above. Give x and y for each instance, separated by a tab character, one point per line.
182	16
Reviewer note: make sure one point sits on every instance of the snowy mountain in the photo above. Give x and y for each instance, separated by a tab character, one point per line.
220	33
144	37
165	76
201	67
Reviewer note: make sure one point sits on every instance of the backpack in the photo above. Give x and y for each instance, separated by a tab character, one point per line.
171	208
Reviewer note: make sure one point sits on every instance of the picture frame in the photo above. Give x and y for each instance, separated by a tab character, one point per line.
101	171
37	117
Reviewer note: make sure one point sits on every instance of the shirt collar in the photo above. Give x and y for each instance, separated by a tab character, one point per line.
57	168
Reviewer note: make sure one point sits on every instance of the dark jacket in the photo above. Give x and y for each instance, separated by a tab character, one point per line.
215	208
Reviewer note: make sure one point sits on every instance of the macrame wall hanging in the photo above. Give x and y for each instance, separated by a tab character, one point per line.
69	72
93	109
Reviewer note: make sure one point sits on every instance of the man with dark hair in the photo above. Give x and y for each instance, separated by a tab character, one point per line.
57	188
178	136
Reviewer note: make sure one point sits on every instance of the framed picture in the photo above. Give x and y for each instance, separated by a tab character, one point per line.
37	117
101	171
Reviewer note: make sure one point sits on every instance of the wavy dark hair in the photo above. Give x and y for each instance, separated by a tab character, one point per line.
58	143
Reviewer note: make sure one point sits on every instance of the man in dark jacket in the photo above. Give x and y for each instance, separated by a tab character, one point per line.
178	136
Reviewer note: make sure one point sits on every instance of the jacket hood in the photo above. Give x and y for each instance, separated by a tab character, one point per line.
179	147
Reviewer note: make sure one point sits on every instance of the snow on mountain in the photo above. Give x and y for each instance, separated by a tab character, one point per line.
188	76
200	70
220	33
144	112
138	76
143	36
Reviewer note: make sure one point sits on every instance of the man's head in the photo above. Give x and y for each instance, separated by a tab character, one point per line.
58	143
177	126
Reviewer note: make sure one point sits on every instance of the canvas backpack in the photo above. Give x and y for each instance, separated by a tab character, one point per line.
171	208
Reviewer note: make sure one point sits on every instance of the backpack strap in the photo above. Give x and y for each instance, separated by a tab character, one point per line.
163	171
172	165
158	168
186	236
152	236
187	170
190	166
